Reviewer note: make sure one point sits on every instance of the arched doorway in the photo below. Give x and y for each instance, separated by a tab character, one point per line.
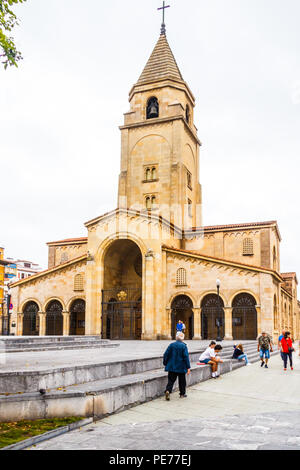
31	319
54	319
212	317
182	309
122	293
244	317
77	317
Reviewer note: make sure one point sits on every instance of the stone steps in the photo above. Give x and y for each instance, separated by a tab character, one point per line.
100	398
32	380
110	394
53	343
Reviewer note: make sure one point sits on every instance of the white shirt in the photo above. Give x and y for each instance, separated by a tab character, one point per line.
207	354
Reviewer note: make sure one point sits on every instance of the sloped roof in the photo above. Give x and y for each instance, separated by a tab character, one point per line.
161	64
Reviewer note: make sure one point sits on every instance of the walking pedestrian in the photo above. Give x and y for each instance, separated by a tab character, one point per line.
287	350
279	343
264	347
239	354
179	327
177	364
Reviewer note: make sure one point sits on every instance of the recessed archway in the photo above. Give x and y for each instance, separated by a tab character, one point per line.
30	319
212	317
244	317
122	291
182	309
54	319
77	317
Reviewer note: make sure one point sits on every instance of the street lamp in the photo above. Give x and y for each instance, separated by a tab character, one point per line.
8	310
218	284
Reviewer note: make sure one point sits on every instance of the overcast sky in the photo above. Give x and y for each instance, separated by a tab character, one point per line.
60	112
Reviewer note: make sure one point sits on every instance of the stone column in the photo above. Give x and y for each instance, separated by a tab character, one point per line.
66	323
258	310
168	323
42	327
197	323
20	318
148	299
228	324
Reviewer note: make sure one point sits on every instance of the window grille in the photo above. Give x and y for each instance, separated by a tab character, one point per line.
79	282
181	277
247	247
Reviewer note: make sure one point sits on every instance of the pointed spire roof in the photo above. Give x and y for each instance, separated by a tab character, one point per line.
161	64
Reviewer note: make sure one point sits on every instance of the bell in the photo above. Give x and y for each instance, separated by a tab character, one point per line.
153	113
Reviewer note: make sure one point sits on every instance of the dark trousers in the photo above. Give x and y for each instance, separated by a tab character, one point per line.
172	376
285	359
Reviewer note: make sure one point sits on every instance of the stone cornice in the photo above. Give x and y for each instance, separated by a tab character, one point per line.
49	271
157	121
224	262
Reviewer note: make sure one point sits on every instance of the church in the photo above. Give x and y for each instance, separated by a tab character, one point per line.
151	262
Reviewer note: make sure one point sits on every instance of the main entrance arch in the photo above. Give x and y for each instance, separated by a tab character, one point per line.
122	292
30	319
212	317
244	317
182	309
77	317
54	319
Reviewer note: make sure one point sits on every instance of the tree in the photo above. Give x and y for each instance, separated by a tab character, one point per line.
8	20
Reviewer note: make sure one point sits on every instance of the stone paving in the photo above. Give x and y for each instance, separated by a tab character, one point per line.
15	362
249	409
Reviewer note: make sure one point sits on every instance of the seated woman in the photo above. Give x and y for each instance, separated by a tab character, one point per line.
239	354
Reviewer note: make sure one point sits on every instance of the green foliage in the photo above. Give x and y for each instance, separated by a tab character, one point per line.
10	433
8	20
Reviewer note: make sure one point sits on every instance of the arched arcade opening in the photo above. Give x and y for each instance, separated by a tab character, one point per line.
182	309
54	319
212	317
244	317
30	319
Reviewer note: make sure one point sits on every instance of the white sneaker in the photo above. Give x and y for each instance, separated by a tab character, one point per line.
248	364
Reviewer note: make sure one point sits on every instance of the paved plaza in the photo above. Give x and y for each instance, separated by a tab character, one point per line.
250	408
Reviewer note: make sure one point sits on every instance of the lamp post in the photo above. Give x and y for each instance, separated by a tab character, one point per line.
8	310
218	284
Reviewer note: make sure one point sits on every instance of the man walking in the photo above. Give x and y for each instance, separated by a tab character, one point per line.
265	345
177	364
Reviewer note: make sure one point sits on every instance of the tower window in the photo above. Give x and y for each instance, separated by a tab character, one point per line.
189	179
248	247
187	114
151	202
152	108
190	207
150	173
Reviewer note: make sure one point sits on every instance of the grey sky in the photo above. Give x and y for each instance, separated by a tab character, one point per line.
60	112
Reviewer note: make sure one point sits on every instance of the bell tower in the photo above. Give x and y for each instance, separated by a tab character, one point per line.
159	143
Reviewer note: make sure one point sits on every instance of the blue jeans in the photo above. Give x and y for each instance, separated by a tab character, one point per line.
243	356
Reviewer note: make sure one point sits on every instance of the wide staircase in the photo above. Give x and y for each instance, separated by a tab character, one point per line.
98	389
13	344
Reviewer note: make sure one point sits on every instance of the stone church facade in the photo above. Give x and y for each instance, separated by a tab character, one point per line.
151	262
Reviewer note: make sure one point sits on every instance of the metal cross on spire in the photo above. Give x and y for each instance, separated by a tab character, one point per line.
163	26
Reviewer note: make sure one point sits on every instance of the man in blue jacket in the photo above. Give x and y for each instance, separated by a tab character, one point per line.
177	364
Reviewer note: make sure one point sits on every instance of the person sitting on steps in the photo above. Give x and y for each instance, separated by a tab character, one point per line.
210	356
239	354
